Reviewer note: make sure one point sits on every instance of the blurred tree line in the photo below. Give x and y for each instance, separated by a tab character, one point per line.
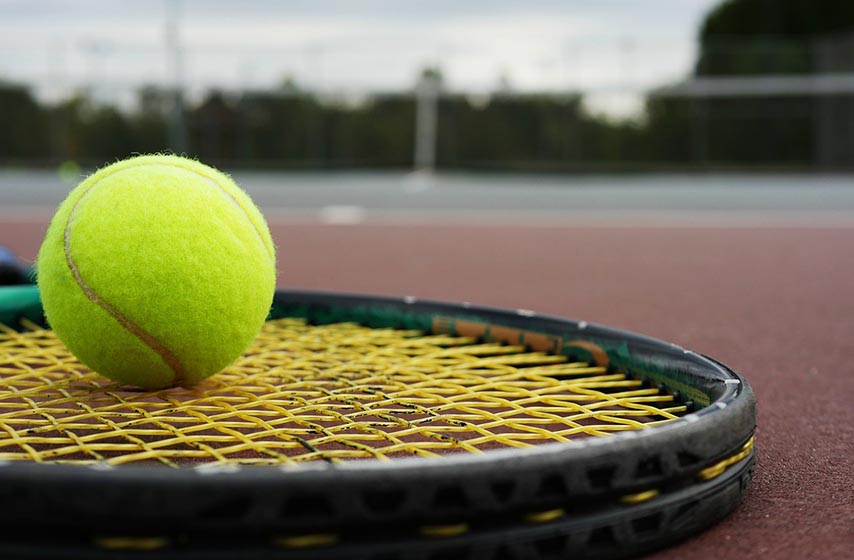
298	129
750	38
295	128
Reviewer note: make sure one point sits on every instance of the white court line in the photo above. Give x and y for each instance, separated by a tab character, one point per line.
342	215
611	219
578	219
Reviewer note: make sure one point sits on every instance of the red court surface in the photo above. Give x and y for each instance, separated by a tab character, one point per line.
775	304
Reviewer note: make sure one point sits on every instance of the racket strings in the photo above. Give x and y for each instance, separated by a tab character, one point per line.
305	392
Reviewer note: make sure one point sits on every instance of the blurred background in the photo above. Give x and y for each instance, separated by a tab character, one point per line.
541	86
680	168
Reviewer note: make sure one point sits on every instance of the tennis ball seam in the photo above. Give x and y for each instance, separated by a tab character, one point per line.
234	200
170	359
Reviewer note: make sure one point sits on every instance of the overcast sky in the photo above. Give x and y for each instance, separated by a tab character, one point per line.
613	48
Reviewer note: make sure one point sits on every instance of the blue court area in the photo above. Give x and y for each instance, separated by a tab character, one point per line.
355	196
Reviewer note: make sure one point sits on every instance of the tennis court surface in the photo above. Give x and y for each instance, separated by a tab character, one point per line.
771	301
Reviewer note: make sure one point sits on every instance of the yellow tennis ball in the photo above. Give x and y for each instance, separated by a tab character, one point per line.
157	271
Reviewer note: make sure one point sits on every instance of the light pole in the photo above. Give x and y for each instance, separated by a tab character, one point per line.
175	61
426	115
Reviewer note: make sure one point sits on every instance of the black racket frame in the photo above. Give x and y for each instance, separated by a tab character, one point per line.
371	508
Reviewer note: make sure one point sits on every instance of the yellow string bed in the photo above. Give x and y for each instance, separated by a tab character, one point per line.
302	393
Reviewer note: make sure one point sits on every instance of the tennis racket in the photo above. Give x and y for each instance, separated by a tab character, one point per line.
370	427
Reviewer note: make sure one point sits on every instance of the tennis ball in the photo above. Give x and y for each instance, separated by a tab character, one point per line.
157	271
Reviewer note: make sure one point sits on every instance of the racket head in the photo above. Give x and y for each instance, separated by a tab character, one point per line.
616	495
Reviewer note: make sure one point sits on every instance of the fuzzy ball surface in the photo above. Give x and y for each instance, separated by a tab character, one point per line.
157	271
